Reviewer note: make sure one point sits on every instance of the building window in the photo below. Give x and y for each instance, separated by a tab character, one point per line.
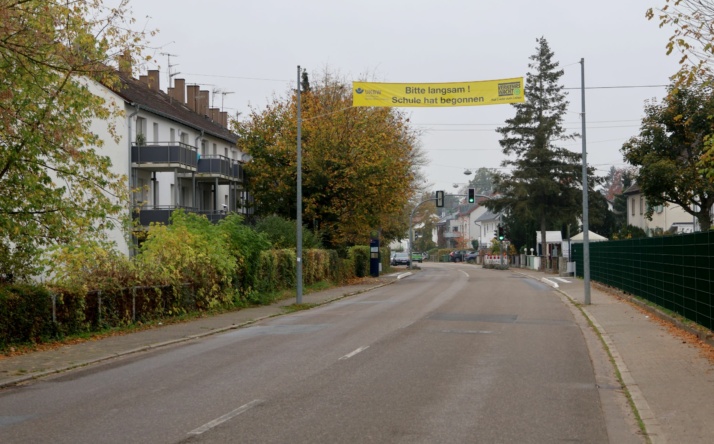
642	205
141	126
204	147
172	135
632	205
156	133
215	150
184	137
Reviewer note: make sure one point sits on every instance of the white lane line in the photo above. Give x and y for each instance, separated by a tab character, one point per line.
465	273
563	280
349	355
230	415
549	282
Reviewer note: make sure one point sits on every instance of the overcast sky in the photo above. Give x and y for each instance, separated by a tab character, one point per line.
252	49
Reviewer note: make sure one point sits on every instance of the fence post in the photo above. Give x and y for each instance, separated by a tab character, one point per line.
133	304
99	306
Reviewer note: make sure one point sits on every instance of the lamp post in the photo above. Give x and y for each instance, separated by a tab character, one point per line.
480	229
467	173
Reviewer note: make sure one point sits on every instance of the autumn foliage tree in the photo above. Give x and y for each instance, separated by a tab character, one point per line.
56	186
359	164
669	149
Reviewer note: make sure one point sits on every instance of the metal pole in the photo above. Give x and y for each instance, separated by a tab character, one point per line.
586	227
298	273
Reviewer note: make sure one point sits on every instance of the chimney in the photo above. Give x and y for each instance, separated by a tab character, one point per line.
192	97
214	114
154	79
180	90
203	96
124	62
224	119
144	80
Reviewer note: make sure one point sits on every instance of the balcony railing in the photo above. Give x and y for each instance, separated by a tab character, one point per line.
218	167
162	214
164	155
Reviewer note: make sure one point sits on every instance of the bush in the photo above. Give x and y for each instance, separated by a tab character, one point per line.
282	233
25	314
245	245
360	256
190	251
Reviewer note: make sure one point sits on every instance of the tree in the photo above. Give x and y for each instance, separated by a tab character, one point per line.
55	185
482	181
668	152
544	183
693	37
359	164
620	202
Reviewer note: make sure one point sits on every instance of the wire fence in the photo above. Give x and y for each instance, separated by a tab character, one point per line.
674	272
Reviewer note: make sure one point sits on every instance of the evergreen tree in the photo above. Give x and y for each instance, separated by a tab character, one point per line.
544	184
482	181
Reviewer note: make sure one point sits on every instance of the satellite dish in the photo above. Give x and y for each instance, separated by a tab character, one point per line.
467	172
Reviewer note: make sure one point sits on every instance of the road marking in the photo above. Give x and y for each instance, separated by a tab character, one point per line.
563	280
465	273
549	282
230	415
349	355
403	275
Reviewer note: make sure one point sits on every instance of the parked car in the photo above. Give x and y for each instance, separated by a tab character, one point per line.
471	256
401	259
417	257
458	255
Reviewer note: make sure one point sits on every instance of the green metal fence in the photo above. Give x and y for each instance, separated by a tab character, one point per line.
674	272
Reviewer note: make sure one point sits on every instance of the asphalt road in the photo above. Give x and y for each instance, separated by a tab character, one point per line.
452	354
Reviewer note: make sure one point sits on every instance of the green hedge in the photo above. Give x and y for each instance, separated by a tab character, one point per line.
26	311
24	314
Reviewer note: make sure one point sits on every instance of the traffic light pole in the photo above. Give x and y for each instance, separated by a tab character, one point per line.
411	229
439	194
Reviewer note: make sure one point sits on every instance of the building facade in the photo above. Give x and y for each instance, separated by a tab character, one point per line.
175	150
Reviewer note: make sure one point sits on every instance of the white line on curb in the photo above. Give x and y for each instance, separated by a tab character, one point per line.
549	282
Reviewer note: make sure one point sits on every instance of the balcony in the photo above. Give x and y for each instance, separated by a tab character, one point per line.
214	167
164	156
161	214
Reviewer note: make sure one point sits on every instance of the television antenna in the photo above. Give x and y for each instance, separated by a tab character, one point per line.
168	62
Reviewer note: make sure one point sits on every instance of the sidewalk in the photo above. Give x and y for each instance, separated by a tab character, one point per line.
668	371
21	368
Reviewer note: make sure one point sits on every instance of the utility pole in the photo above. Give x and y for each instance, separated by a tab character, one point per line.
586	225
298	273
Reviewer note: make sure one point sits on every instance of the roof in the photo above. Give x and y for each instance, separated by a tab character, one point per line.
592	237
551	237
488	215
158	102
632	189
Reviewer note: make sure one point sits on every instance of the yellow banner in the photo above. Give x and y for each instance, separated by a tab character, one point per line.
485	92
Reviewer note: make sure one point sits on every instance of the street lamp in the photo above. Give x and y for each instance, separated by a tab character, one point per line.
467	173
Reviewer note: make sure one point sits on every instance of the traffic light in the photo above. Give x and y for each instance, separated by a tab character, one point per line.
439	199
472	195
500	233
495	233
